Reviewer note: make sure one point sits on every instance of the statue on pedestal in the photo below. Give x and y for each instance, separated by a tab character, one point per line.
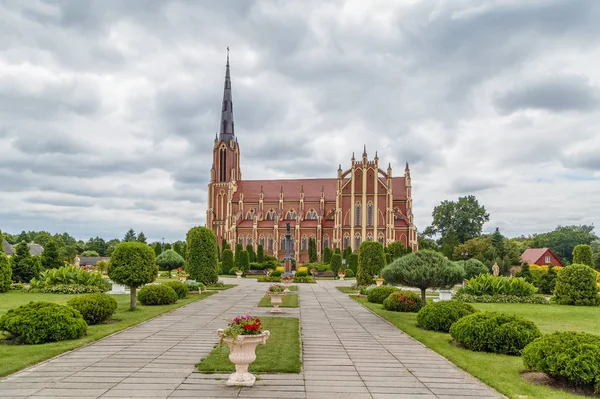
496	270
76	261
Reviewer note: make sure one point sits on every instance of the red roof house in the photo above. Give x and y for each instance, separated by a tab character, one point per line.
540	256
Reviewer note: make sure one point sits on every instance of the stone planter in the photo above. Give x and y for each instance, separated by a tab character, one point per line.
276	300
287	284
239	274
183	278
379	281
242	352
445	295
341	276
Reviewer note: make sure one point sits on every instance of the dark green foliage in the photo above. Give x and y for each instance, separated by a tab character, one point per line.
486	284
337	251
537	299
168	246
597	261
498	243
169	260
572	355
349	273
312	250
260	254
130	236
133	264
178	247
236	255
439	316
5	271
232	271
157	248
352	263
582	254
180	288
301	274
24	266
371	259
141	237
50	256
301	280
244	261
224	245
396	249
564	239
157	294
576	285
327	255
494	332
525	272
423	269
69	275
95	308
473	268
336	263
379	294
547	282
276	273
39	322
251	254
227	261
347	251
402	301
201	255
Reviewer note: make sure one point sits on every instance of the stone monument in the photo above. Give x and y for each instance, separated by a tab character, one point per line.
76	261
496	270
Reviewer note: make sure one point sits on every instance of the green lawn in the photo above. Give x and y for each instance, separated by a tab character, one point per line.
500	371
289	301
16	357
347	290
281	353
225	287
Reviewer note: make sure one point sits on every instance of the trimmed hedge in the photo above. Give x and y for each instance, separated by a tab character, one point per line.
371	259
180	288
269	279
336	264
536	299
403	301
157	294
379	294
439	316
202	255
576	285
572	355
349	272
494	332
95	308
39	322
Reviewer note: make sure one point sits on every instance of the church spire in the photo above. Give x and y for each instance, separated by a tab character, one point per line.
227	126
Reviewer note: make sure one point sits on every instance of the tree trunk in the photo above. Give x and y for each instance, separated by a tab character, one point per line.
423	299
132	298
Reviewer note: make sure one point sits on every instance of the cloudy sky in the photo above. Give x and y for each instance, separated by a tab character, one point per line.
108	109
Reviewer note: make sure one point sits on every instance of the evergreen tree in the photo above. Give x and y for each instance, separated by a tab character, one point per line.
130	236
498	243
5	270
312	250
327	255
178	247
347	251
244	260
371	259
236	255
352	263
141	237
24	266
597	261
251	254
168	246
157	248
582	254
260	254
169	260
336	263
51	256
337	251
201	255
525	272
227	264
224	245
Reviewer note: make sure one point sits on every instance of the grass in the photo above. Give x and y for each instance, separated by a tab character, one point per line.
225	287
500	371
281	353
17	357
289	301
347	290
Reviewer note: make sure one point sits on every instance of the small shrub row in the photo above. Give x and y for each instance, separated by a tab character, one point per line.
307	279
439	316
194	286
17	287
536	299
301	274
68	289
403	301
487	284
494	332
157	294
379	294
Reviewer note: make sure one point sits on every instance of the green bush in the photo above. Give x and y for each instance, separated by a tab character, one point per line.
133	264
583	254
576	285
349	272
301	274
5	271
487	284
227	261
494	332
170	260
269	279
232	271
276	273
371	259
473	268
95	308
69	289
193	286
308	280
379	294
39	322
536	299
69	275
352	263
243	260
572	355
157	294
402	301
439	316
17	287
180	288
202	255
336	263
327	253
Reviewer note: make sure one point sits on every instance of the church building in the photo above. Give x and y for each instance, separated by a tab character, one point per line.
363	202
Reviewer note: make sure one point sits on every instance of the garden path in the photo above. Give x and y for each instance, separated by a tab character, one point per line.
348	352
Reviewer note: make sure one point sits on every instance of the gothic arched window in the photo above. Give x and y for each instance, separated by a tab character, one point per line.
271	214
241	240
357	241
282	243
357	214
223	164
369	236
270	243
249	216
261	241
370	214
325	241
380	238
291	215
304	244
248	240
311	215
346	240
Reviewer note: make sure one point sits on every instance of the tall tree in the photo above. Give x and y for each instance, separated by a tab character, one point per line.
42	238
51	256
157	248
236	255
260	254
312	250
96	244
583	254
498	242
327	255
133	264
5	269
201	255
224	245
24	266
457	221
178	247
251	254
130	236
563	239
371	259
141	237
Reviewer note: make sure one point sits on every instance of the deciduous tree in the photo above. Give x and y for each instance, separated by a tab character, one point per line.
133	264
563	239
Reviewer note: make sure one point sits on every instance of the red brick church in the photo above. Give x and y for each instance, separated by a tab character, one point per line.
364	202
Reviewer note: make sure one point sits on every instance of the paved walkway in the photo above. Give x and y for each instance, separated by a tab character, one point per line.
348	352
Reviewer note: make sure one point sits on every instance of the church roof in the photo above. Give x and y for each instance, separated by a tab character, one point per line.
291	189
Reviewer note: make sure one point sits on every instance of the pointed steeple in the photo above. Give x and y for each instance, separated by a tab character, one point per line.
227	126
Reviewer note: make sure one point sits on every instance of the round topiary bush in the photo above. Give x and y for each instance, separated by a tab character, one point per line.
576	285
157	294
180	288
403	301
474	268
349	272
378	294
39	322
95	308
494	332
439	316
566	354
